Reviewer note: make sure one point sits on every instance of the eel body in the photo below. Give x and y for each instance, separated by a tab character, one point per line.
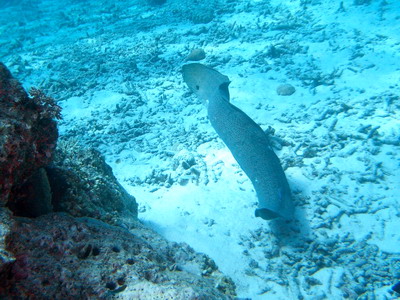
245	139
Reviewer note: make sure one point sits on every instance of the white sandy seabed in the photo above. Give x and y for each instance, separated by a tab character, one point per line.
338	138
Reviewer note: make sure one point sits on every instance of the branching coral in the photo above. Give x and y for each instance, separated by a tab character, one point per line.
47	107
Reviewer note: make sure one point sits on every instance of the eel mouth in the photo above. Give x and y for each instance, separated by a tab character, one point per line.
266	214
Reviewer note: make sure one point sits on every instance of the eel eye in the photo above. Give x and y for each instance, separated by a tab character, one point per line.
197	87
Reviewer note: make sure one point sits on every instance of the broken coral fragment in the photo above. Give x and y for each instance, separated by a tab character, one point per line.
196	55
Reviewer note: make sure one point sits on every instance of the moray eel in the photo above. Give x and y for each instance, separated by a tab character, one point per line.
246	140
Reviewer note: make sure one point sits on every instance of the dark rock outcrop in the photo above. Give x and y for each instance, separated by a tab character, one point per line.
83	185
63	257
6	223
28	136
78	181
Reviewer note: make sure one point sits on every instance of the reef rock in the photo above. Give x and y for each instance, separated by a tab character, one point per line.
63	257
28	136
6	223
83	185
78	181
